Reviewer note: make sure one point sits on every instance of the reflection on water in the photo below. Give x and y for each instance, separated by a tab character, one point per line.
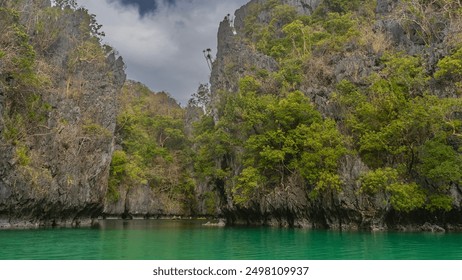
188	239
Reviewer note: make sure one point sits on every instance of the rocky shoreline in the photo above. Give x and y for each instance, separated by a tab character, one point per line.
220	222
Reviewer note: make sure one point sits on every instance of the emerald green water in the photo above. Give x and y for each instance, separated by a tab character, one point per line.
189	240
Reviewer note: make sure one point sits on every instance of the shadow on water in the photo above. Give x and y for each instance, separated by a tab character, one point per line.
189	239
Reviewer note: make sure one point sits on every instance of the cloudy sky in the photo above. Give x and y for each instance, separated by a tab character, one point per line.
162	41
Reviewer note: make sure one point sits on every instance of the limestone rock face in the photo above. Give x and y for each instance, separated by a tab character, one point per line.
291	205
64	179
235	59
163	169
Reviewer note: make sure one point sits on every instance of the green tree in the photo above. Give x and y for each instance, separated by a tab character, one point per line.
293	139
450	69
406	197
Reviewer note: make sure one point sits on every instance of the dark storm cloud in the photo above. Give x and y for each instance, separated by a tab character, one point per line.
145	6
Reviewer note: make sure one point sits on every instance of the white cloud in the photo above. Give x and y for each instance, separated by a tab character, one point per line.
164	49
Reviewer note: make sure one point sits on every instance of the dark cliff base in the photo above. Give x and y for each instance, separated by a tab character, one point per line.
8	224
417	221
314	218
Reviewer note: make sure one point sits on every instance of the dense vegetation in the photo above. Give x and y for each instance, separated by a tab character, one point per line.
400	115
153	147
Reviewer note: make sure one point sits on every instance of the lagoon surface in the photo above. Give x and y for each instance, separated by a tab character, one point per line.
189	240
